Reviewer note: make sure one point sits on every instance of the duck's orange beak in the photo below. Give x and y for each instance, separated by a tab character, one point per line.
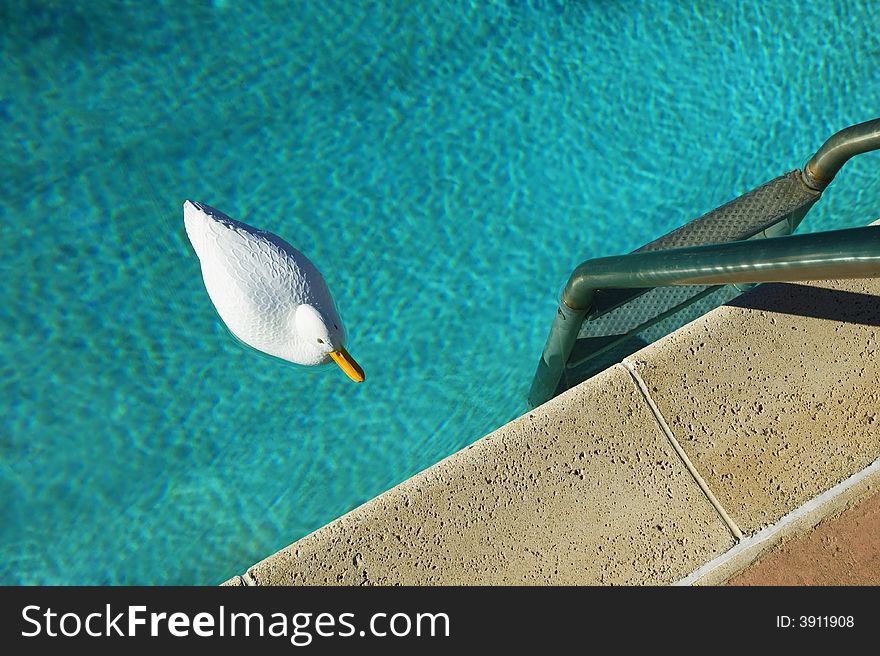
351	368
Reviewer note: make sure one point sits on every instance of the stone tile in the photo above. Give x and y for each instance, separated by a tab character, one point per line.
774	397
235	581
583	490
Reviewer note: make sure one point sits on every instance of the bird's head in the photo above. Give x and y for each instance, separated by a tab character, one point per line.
324	339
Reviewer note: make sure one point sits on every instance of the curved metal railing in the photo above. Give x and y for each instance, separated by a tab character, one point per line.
838	150
853	253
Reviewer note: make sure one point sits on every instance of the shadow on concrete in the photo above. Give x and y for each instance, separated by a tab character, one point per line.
816	302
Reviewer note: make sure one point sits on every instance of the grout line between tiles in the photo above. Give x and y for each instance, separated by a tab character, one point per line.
658	416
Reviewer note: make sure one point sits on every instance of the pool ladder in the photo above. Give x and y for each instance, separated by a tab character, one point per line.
612	305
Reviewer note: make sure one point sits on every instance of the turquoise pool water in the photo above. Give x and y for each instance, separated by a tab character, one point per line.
445	164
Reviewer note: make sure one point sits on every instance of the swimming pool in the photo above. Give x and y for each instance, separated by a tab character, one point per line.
444	164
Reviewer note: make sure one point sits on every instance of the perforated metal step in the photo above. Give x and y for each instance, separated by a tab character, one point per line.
626	320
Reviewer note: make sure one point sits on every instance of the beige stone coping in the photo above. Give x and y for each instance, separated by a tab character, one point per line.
586	489
684	464
774	408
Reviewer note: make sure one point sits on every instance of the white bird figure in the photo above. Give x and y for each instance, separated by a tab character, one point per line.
269	295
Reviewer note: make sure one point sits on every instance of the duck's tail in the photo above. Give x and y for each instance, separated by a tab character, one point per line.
197	221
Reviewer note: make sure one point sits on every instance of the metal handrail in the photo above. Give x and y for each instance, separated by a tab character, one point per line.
850	253
838	150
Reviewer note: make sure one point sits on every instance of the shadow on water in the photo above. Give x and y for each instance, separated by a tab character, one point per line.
83	30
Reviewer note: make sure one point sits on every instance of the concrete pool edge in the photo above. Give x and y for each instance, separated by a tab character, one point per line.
683	465
509	508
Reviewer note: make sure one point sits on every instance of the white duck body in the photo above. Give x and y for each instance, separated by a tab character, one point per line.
269	295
